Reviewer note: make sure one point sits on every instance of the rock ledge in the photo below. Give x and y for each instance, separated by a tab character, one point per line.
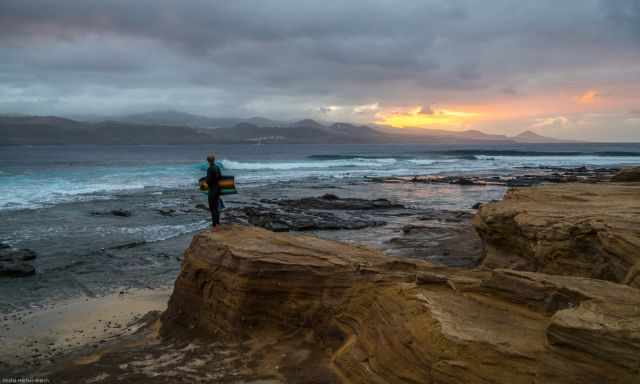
571	229
330	312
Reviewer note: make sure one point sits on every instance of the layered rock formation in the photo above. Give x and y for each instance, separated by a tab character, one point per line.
323	311
572	229
556	300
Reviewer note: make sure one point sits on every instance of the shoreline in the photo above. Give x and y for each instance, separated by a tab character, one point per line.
84	248
252	305
38	340
33	339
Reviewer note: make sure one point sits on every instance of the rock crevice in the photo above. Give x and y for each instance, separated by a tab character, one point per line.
572	229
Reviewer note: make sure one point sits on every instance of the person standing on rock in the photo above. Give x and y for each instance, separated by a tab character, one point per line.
213	177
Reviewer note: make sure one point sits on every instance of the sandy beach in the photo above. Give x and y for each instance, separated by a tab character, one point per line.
34	338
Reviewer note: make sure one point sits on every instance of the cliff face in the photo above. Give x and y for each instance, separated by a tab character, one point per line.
310	310
571	229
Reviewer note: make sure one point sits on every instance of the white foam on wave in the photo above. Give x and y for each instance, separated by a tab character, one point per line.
42	193
37	190
432	161
290	165
148	233
158	232
560	161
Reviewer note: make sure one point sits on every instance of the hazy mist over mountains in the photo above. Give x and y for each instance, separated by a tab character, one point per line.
174	127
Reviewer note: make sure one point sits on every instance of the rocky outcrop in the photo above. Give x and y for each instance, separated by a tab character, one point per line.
311	310
572	229
324	213
293	219
330	201
555	300
630	174
528	177
439	236
114	212
251	271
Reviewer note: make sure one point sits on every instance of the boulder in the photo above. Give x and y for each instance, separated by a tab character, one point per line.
114	212
305	307
166	211
625	175
589	230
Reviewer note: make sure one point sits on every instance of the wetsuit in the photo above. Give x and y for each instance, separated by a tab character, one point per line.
213	175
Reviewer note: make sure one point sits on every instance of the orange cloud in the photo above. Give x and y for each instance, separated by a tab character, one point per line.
424	117
588	97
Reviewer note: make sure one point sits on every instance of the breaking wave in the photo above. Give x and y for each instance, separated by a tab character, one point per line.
475	153
289	165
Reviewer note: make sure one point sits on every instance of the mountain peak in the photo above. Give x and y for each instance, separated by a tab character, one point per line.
528	133
532	137
308	123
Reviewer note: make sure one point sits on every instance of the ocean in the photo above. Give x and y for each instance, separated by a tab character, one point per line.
33	177
53	199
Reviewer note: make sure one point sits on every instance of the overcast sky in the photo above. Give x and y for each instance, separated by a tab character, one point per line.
568	68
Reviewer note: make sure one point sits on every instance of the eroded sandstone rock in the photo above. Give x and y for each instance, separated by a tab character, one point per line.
572	229
329	312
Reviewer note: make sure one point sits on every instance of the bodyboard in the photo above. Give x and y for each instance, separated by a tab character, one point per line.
226	184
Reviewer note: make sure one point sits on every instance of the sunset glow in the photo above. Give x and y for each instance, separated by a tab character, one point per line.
588	97
425	117
569	69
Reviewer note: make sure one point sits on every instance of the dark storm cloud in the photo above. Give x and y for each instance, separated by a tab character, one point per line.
200	27
625	14
283	58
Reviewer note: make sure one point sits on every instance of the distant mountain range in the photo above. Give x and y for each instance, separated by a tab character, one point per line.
181	128
177	118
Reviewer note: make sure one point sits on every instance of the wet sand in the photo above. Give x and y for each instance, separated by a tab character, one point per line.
34	338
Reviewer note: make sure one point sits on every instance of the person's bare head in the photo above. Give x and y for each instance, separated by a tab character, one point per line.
211	158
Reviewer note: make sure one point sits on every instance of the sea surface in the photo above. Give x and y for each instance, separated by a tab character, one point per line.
49	197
